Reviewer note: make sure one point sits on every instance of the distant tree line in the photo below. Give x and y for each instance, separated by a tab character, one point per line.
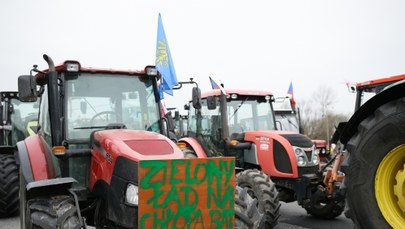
318	118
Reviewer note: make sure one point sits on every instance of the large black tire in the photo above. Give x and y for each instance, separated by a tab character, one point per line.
247	216
52	212
261	187
376	170
9	201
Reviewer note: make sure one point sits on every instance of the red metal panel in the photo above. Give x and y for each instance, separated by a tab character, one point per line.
265	151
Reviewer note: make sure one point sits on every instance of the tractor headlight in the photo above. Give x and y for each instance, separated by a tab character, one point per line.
315	159
132	194
298	151
151	71
300	155
301	161
72	67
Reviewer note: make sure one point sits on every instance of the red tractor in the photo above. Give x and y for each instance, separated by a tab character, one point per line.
18	120
288	118
241	123
97	129
373	141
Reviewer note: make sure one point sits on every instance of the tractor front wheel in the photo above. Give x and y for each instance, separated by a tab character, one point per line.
247	216
54	212
376	172
8	186
261	187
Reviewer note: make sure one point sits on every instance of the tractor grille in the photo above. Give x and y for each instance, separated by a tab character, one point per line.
308	152
281	159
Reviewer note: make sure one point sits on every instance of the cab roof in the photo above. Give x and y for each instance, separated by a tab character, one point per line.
217	92
379	81
63	67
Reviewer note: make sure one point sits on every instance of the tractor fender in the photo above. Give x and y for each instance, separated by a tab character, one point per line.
195	145
390	94
50	186
24	161
275	154
36	159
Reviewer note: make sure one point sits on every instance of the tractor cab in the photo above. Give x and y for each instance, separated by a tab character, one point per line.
368	89
287	115
19	119
244	112
76	102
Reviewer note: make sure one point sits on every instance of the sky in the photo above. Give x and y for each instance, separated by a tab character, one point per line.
258	44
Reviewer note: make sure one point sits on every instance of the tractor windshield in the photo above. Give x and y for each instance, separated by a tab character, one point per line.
245	113
23	118
95	101
249	113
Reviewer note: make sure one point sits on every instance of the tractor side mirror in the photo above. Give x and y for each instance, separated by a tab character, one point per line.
170	121
177	115
196	98
27	88
211	103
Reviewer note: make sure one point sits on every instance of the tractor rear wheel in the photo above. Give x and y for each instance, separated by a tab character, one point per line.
376	172
247	216
261	187
8	186
55	212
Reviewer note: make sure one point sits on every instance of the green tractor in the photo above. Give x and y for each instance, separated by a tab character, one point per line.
18	121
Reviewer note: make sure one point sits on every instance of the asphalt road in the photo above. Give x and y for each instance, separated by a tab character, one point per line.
292	216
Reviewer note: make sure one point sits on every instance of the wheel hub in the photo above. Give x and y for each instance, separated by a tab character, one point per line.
390	187
399	188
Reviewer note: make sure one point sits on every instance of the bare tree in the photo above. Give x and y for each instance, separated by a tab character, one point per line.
317	115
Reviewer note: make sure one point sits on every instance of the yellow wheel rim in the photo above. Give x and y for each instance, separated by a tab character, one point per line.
390	187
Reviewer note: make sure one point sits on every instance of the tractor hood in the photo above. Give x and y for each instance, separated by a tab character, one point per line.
298	140
295	139
135	145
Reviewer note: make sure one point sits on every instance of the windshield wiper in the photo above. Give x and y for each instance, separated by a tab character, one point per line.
240	105
89	127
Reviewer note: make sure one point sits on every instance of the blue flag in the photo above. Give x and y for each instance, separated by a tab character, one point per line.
164	62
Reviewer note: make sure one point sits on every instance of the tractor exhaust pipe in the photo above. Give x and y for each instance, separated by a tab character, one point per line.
54	101
51	65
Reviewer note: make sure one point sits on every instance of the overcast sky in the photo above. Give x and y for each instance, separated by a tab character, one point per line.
261	44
